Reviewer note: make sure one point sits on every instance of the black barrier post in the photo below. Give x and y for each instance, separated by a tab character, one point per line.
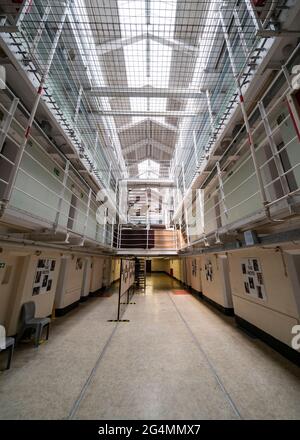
120	295
120	284
128	295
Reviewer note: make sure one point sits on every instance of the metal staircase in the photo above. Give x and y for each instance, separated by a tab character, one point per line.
140	276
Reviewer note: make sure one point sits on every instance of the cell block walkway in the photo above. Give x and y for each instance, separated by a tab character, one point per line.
177	358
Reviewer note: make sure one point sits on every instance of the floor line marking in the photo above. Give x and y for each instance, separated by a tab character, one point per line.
82	393
215	374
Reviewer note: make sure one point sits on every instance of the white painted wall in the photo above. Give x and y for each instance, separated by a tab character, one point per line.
9	277
87	275
70	281
195	276
177	265
21	286
279	312
106	279
160	265
218	288
115	269
97	274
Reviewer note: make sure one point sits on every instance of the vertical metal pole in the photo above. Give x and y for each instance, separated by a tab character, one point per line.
40	90
201	211
242	105
165	208
128	295
187	226
120	288
112	233
109	175
195	148
180	234
78	105
147	206
221	188
118	236
173	200
147	220
104	227
177	190
277	161
240	31
87	213
183	177
212	123
147	238
96	143
62	194
287	76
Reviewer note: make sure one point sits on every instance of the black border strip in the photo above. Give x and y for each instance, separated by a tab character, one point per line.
280	347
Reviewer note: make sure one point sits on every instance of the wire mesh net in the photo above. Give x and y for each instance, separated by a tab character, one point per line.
143	85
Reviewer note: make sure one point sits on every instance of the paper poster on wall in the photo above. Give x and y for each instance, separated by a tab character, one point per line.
128	275
208	270
79	263
253	278
194	267
44	276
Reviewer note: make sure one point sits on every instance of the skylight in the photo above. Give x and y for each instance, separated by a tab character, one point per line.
148	169
147	62
132	14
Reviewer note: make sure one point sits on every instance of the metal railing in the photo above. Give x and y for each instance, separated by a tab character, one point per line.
147	238
231	190
63	92
48	190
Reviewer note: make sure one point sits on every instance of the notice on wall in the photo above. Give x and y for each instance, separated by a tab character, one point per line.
208	270
194	267
44	276
128	274
253	278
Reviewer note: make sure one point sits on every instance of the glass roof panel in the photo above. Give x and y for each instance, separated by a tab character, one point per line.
132	15
163	15
148	169
160	56
135	60
114	47
147	62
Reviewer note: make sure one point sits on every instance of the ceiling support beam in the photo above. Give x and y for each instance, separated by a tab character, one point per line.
103	49
165	148
145	92
175	44
146	114
133	125
119	43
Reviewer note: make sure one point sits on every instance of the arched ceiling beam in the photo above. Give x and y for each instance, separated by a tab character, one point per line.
145	92
133	125
119	43
165	148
